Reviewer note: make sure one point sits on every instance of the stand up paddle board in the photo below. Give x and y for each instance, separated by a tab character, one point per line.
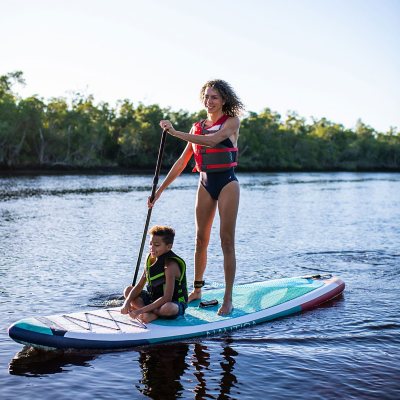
107	328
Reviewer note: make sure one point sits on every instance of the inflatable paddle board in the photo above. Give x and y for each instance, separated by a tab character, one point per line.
107	328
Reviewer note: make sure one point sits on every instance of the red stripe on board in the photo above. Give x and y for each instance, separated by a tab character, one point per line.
326	297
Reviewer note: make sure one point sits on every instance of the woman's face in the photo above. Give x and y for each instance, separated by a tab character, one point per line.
212	100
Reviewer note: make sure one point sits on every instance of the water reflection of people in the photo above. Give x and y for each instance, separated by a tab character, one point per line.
31	361
228	379
163	366
201	362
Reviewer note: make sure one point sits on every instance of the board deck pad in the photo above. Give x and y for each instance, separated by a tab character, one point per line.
107	328
248	299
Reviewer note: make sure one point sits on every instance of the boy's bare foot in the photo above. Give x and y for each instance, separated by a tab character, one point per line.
194	295
148	317
226	308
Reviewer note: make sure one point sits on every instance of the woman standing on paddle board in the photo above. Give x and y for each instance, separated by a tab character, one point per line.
213	142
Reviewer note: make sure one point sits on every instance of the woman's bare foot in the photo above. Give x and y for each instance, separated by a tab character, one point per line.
226	308
194	295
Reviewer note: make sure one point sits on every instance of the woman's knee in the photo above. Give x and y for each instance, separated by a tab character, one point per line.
201	242
227	243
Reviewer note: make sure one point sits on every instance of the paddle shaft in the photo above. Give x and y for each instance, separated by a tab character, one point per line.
153	193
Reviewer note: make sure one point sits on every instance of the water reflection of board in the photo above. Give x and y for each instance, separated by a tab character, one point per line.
108	329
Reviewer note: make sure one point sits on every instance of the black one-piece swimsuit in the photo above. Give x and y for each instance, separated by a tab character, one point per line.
214	182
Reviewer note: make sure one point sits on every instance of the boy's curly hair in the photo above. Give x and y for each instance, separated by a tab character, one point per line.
165	232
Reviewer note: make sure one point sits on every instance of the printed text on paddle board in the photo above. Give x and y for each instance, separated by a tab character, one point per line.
228	329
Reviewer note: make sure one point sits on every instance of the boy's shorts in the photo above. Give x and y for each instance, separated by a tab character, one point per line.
146	297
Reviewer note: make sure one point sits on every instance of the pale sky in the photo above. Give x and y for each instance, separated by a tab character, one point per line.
338	59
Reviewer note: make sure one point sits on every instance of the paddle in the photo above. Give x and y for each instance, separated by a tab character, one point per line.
153	193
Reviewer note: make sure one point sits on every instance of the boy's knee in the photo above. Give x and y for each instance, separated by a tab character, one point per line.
169	309
127	290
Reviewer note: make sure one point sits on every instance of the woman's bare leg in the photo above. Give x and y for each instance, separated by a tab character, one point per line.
205	212
228	205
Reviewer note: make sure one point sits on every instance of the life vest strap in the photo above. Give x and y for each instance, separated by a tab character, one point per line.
218	150
214	166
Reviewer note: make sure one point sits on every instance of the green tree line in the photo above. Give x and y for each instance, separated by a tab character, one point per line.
79	133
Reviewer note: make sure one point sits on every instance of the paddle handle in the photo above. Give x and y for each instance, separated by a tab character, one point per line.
153	193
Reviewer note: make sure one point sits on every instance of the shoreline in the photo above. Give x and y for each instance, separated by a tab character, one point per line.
113	170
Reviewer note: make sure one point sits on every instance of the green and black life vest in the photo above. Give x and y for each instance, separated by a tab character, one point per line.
155	277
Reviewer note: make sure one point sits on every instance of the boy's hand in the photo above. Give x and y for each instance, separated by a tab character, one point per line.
134	313
124	309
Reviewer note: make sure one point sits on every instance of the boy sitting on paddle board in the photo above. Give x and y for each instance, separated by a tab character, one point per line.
165	274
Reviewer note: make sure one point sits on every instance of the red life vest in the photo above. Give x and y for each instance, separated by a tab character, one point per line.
219	158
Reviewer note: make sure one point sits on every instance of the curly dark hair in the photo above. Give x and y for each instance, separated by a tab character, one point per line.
165	232
233	106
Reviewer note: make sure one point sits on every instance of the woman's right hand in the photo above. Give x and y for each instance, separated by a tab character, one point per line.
150	203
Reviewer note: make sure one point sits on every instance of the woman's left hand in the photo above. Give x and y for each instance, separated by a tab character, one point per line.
166	125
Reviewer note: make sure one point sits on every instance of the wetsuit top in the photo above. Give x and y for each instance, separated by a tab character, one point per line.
219	158
155	277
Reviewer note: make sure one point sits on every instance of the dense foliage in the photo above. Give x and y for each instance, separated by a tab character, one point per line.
80	133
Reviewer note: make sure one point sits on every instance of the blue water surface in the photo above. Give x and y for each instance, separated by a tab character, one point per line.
71	242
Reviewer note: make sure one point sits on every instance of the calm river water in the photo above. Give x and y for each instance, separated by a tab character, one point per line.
71	242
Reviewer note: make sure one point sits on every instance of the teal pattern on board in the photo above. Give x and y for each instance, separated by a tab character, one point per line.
248	298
